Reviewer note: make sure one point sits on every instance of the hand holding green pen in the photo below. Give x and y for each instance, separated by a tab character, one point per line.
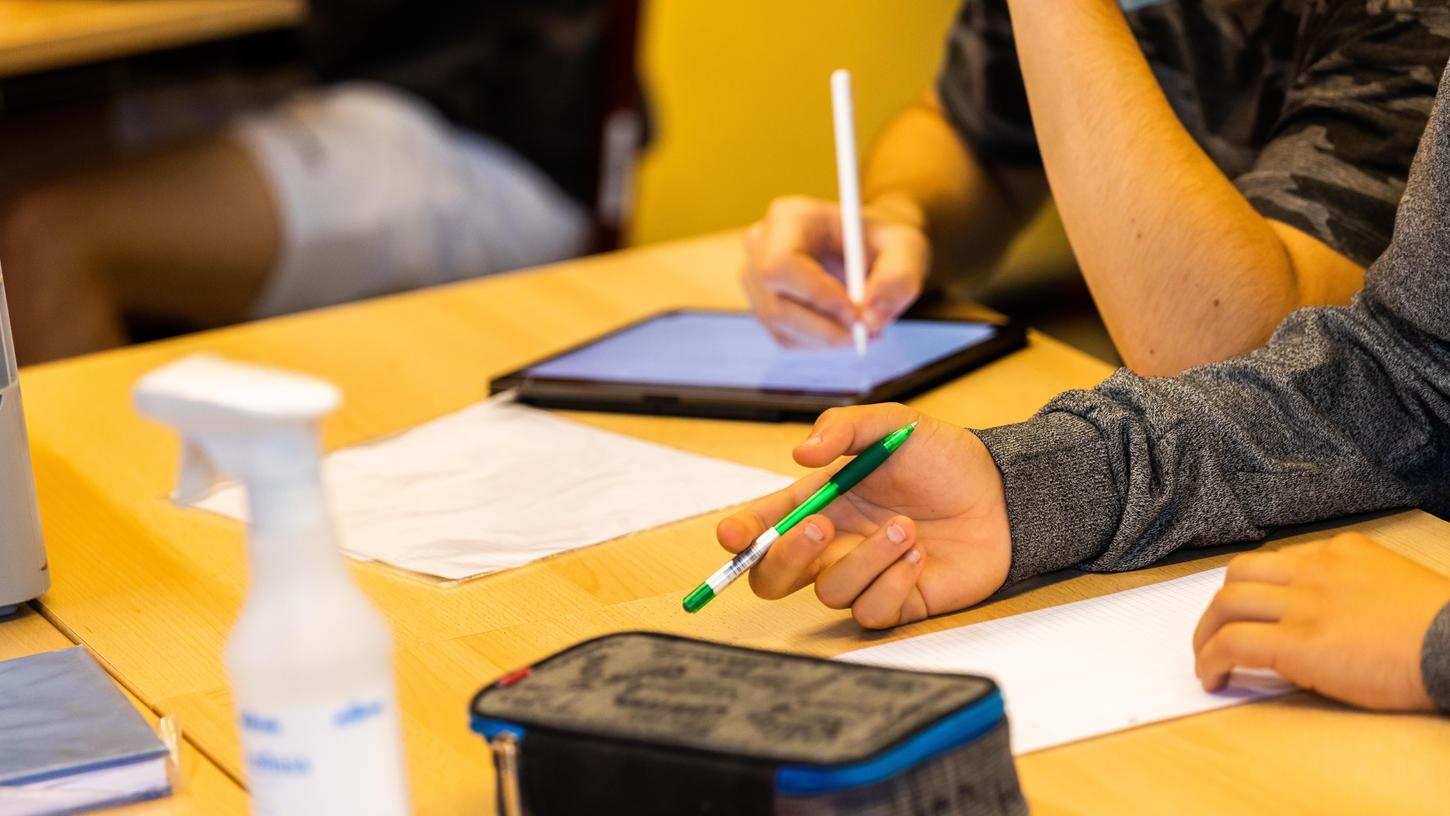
923	534
836	486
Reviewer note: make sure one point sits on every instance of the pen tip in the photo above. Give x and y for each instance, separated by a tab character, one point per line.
913	424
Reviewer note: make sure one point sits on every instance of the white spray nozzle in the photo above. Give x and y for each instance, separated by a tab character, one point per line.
235	419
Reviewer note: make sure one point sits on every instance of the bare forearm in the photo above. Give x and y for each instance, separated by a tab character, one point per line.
1183	268
919	171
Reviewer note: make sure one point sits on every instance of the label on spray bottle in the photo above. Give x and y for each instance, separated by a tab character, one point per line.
324	758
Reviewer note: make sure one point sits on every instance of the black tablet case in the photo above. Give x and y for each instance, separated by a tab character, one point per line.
726	403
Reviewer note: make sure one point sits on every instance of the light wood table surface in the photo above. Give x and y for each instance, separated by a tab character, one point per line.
155	589
37	35
204	788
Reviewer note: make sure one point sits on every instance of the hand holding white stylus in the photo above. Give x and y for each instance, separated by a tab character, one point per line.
852	243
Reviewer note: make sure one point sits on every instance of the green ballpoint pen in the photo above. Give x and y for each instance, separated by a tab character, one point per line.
843	480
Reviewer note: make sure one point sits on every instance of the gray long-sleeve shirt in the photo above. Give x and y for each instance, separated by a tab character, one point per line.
1345	410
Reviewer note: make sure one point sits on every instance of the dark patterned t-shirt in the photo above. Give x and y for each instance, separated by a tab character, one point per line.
1313	107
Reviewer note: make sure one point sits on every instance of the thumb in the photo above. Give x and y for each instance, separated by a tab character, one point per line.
848	431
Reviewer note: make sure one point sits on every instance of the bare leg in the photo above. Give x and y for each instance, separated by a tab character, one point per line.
188	233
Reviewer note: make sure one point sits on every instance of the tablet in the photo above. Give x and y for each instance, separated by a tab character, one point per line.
725	364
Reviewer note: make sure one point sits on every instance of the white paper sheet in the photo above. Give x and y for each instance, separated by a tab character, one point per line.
1086	668
498	485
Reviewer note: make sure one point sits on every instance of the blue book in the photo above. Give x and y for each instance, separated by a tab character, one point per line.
70	741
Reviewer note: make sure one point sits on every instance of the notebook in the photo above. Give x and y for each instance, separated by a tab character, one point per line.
1087	668
70	741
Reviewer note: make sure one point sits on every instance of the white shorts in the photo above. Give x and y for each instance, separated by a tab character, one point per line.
377	193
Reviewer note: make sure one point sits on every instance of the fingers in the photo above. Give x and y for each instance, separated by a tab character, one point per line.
799	277
1254	592
753	235
765	305
840	584
737	530
788	253
893	598
897	275
1263	567
791	323
1243	645
802	326
1240	602
784	257
793	560
802	224
842	431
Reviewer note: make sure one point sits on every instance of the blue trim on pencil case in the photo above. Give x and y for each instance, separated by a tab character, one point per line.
492	728
945	735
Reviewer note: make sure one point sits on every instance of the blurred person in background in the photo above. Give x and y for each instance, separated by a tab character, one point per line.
1216	166
441	141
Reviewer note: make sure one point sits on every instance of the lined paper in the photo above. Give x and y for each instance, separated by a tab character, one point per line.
1086	668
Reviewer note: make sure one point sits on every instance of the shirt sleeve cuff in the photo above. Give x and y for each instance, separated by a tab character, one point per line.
1062	503
1435	660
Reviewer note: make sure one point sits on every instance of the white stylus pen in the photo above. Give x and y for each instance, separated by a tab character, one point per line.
852	243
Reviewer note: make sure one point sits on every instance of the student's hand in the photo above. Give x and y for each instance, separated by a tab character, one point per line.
794	271
1344	617
925	533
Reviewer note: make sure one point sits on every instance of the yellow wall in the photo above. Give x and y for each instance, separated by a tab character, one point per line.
741	103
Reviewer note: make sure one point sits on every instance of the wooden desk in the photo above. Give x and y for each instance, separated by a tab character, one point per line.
155	589
37	35
204	789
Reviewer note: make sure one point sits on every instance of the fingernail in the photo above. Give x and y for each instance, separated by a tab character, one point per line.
814	439
913	555
895	533
814	533
873	318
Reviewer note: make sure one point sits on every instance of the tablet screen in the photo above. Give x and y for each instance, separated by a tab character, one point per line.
726	350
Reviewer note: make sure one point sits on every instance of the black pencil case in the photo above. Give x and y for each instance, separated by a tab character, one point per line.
645	723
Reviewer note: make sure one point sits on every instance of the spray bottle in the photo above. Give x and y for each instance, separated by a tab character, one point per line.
310	659
23	571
